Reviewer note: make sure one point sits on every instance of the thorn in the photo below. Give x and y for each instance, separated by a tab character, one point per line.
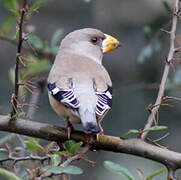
165	31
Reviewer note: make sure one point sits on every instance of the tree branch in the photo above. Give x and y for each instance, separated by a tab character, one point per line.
18	54
158	102
172	160
42	53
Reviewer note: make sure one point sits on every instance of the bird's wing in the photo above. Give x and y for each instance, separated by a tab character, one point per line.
104	101
65	96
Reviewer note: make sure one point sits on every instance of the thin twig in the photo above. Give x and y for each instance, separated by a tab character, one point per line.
17	159
166	71
19	48
43	53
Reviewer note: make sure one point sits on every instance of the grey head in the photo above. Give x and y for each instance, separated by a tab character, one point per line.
86	42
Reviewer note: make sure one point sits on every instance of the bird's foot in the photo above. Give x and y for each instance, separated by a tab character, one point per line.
69	129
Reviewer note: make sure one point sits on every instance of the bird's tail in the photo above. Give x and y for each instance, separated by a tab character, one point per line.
88	119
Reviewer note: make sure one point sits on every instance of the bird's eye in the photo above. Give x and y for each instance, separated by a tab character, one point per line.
94	40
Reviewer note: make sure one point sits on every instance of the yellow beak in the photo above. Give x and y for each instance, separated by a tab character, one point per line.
109	43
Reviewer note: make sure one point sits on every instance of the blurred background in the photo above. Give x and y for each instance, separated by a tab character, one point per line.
135	69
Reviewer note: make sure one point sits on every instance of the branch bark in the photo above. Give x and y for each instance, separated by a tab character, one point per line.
18	54
158	102
171	159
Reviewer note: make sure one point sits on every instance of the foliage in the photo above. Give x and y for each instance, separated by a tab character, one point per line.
51	156
124	172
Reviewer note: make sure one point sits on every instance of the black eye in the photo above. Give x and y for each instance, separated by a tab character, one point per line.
94	40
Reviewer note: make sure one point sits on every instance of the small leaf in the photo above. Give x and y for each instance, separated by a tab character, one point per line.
55	169
148	31
15	13
59	169
145	53
69	144
56	159
11	4
6	25
72	170
36	5
8	174
56	38
35	41
116	168
131	131
156	128
36	66
33	145
167	6
75	147
7	138
60	153
148	51
156	173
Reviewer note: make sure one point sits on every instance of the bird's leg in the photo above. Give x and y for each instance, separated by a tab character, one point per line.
101	131
69	128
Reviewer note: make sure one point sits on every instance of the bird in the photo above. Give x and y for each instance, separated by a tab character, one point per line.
79	86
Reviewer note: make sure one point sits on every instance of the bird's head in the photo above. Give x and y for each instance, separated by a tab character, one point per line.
89	42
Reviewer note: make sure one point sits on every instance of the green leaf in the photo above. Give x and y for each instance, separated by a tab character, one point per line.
69	144
156	128
35	41
36	5
156	173
131	131
75	147
7	138
33	145
147	31
72	170
36	66
56	159
167	6
148	51
8	174
15	13
11	4
58	169
60	153
116	168
145	53
6	25
56	38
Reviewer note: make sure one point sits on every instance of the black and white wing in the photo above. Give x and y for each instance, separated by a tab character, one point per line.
104	101
65	96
